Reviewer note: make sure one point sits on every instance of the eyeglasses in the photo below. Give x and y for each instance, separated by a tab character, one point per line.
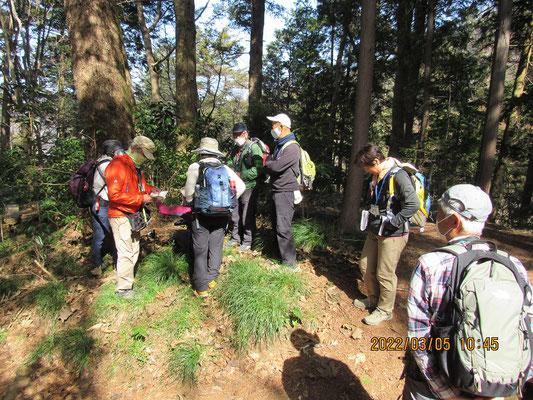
458	206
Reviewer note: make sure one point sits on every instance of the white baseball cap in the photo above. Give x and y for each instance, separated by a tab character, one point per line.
283	119
469	201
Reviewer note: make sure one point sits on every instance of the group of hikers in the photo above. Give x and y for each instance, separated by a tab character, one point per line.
469	319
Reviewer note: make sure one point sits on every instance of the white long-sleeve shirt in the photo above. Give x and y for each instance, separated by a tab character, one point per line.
192	178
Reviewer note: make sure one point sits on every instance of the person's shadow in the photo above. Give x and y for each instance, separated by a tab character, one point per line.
311	376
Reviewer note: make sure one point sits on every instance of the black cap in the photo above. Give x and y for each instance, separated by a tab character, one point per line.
239	127
110	146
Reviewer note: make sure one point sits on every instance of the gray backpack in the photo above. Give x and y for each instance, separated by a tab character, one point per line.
483	318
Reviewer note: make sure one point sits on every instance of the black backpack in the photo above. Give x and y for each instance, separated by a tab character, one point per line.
81	184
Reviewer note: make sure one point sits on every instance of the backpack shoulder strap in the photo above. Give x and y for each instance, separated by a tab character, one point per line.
289	143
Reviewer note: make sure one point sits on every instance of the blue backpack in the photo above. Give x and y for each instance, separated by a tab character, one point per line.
215	193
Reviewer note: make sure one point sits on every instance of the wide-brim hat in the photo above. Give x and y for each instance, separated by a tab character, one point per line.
147	146
283	119
208	146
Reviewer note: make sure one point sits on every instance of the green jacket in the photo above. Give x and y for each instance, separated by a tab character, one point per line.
249	172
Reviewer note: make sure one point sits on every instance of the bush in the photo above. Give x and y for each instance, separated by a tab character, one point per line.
259	301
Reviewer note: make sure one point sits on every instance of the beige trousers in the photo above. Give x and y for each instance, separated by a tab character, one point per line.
378	265
127	244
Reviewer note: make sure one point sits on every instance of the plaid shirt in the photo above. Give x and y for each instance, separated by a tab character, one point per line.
425	295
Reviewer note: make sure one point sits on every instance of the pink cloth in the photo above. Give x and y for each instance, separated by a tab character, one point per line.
172	210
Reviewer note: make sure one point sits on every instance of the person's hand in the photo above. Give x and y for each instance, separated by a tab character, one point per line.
155	190
147	199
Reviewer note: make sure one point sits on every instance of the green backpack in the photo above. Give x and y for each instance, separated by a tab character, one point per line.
307	167
482	333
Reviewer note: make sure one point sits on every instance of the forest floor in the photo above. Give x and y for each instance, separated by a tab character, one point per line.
328	355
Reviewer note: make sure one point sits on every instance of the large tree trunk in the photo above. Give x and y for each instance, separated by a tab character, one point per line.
415	59
349	219
186	91
154	78
428	48
101	75
404	17
255	82
512	119
487	153
5	118
335	96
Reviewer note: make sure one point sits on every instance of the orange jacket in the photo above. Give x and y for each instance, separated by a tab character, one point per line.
123	186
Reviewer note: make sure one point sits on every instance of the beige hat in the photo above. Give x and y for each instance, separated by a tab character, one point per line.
208	146
146	145
283	119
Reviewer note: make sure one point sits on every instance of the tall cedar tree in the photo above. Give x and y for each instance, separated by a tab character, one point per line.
255	81
101	76
487	154
350	205
186	90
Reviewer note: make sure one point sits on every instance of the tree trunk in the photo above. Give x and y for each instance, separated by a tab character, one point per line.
101	76
415	59
186	91
154	78
335	95
61	92
255	82
512	119
525	204
428	49
487	153
349	219
5	118
404	16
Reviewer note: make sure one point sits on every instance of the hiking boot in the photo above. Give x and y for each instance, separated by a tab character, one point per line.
212	284
365	304
96	272
377	317
126	294
245	247
203	294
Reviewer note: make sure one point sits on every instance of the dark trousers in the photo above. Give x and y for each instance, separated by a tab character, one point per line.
207	242
243	217
102	237
282	213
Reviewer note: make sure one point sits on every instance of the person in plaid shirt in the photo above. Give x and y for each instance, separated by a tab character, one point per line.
462	212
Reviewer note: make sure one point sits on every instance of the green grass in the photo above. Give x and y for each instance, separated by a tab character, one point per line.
261	302
8	286
73	345
182	316
184	362
50	298
3	335
311	235
67	265
164	267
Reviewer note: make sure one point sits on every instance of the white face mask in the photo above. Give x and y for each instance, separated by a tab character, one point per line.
443	235
240	141
275	133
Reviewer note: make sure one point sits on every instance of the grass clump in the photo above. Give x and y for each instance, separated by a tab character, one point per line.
73	345
182	317
164	267
8	287
50	298
260	301
311	235
184	362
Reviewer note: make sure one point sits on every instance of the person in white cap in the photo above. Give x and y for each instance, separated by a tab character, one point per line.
282	166
462	212
207	230
128	191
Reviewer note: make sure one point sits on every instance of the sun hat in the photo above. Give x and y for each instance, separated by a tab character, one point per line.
469	201
208	146
283	119
239	127
146	145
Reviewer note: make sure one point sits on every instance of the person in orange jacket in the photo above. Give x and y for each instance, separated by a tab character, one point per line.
128	191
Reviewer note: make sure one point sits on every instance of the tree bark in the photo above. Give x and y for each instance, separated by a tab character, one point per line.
154	77
512	119
101	76
255	82
428	49
349	219
186	90
487	153
525	204
404	17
